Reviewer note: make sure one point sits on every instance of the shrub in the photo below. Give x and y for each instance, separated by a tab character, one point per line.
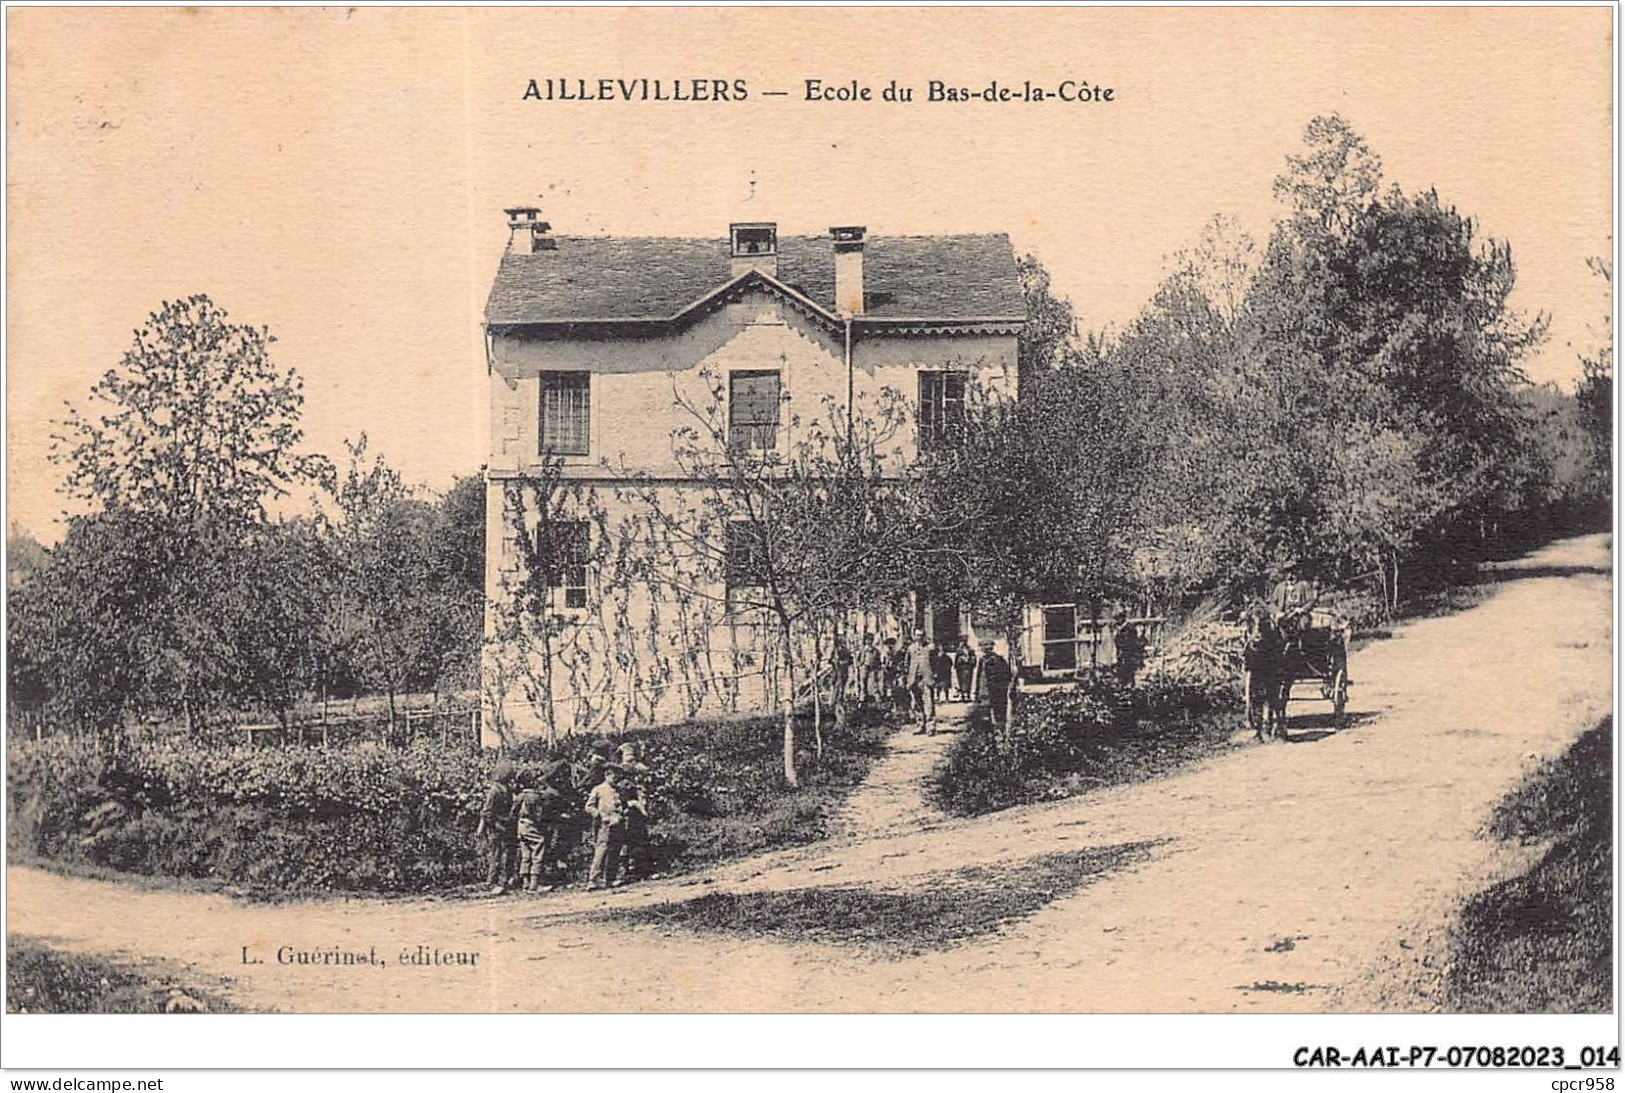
354	818
1069	740
364	817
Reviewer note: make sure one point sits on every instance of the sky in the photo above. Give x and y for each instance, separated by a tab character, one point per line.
339	175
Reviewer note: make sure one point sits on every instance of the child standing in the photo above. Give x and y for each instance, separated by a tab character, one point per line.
532	832
496	829
639	863
608	811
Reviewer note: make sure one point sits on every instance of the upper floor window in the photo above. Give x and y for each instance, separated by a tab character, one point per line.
565	413
565	549
753	410
942	406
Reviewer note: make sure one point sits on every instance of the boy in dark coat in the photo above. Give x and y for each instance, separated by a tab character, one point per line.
496	829
942	671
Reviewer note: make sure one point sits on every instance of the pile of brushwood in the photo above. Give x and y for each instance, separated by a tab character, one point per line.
1196	667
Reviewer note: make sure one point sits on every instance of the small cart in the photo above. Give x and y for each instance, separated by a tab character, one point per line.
1318	653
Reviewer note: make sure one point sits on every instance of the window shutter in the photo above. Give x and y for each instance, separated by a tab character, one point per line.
753	409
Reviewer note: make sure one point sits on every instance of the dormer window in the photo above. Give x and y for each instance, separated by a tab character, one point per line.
754	240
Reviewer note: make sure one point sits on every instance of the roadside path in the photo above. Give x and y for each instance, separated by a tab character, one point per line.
893	798
1285	877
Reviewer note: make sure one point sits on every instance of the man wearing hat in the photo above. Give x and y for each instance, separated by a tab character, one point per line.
1130	649
993	675
918	678
1294	599
870	666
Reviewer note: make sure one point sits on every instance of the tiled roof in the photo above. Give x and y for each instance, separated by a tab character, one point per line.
938	277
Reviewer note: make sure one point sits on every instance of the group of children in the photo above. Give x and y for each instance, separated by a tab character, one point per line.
532	819
914	678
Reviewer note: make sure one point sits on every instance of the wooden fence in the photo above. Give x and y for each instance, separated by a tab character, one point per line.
447	724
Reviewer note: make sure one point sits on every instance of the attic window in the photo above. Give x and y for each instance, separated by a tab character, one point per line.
751	240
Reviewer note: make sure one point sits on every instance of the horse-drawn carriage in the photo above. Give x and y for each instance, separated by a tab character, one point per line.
1278	653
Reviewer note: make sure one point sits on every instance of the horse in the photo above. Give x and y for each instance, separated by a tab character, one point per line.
1264	678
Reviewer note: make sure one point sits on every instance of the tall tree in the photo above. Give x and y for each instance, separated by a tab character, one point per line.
177	450
196	422
404	606
1382	325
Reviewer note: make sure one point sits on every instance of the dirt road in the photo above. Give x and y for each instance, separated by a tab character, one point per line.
1313	875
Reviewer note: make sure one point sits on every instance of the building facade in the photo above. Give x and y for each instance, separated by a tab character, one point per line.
607	355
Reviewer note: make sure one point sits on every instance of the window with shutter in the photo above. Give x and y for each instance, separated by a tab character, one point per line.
565	410
753	410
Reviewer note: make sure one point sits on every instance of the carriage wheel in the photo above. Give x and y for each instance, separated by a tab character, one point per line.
1340	694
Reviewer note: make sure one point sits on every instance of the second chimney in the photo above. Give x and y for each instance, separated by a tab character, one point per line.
848	269
527	231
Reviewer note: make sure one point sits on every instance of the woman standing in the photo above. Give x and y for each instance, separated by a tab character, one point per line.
964	668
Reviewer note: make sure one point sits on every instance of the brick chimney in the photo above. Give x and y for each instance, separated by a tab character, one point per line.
527	231
753	246
848	269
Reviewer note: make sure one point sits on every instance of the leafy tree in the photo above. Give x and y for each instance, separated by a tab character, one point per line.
1051	329
1040	497
196	422
82	636
1382	342
405	603
271	606
1596	388
796	539
177	450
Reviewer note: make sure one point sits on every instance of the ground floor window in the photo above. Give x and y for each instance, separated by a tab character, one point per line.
1061	638
744	563
565	548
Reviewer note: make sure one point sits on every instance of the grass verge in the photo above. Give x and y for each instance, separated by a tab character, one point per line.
40	979
1543	942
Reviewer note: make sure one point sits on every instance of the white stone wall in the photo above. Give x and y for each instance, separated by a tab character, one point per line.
639	657
635	380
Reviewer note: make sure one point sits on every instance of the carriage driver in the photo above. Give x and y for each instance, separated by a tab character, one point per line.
1294	599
